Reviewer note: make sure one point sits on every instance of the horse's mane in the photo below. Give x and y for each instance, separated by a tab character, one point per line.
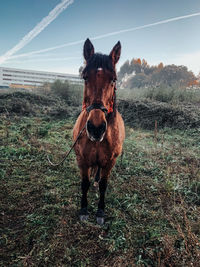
99	61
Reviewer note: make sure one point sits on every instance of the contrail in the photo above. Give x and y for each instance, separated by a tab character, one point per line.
37	29
109	34
48	49
44	60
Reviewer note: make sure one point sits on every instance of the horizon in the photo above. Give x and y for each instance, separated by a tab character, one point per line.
46	39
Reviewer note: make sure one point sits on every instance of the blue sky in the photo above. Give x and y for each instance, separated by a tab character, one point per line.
175	42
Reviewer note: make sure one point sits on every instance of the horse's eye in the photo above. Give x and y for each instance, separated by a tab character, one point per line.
112	82
85	78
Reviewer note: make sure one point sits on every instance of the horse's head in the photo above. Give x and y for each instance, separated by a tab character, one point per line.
99	91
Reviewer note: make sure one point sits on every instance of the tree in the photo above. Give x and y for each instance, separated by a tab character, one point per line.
144	64
125	69
154	75
80	71
139	80
160	66
136	65
137	61
193	83
172	74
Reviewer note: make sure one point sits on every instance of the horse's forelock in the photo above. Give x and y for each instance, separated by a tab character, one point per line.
99	61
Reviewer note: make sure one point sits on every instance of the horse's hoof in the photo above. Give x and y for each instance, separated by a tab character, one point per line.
100	220
100	216
83	217
83	214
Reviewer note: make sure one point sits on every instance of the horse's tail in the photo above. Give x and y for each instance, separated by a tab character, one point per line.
121	157
97	177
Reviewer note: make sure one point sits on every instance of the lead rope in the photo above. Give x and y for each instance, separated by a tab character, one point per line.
67	153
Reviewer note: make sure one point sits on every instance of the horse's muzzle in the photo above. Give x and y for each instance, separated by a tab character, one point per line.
96	133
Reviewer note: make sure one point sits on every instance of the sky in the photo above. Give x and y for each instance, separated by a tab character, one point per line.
49	35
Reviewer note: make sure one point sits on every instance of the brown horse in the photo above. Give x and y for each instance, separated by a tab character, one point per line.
101	142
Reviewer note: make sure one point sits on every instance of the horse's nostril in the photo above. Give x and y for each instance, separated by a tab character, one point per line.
94	131
90	127
102	127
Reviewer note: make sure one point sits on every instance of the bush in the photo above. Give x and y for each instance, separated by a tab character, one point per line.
75	96
144	113
163	93
138	81
70	93
172	95
60	88
35	104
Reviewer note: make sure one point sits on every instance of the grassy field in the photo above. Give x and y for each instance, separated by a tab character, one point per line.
153	198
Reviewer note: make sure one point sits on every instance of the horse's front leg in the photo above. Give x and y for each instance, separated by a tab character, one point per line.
105	172
85	184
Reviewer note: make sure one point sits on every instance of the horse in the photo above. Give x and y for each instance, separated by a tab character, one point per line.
99	145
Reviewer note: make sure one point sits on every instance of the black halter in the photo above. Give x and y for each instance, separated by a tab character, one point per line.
97	106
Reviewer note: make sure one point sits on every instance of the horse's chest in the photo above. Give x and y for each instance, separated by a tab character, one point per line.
97	154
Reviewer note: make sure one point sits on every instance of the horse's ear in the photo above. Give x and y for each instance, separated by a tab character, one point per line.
115	53
88	49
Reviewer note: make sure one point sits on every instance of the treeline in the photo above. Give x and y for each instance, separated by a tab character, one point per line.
138	73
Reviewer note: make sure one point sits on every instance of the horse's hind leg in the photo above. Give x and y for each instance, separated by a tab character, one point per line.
85	184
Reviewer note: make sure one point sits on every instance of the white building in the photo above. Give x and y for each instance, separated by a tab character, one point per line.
10	77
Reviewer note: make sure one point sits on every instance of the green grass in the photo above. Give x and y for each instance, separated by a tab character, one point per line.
153	198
